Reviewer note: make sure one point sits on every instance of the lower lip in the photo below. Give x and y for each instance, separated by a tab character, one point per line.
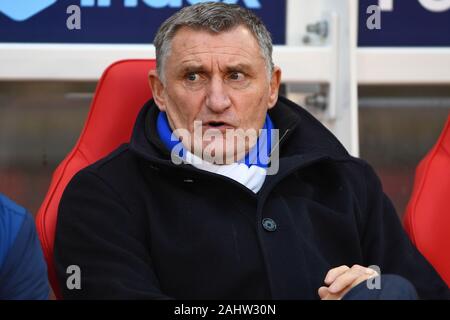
221	128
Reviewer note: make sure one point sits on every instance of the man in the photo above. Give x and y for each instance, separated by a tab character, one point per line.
23	272
187	209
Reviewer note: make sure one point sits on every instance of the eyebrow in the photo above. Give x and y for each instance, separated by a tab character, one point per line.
192	68
200	68
238	67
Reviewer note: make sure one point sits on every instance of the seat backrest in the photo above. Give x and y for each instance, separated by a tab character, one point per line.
121	92
427	217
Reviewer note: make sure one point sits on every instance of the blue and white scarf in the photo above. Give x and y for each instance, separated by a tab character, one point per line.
249	171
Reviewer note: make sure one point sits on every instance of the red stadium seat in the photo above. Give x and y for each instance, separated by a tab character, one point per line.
427	217
121	92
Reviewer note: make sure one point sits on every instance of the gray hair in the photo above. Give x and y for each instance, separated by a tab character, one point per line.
214	17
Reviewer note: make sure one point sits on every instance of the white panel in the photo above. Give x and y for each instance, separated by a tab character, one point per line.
304	64
64	62
404	65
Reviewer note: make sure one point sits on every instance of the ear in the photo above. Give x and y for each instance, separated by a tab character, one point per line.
275	81
157	87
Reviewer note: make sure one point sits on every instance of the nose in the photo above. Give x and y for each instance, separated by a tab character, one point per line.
217	99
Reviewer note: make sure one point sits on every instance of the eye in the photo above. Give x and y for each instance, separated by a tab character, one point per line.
192	77
236	76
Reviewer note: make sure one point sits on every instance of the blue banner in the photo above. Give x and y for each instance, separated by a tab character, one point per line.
106	21
422	23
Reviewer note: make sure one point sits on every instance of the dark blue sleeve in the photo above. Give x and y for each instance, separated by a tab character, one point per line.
23	274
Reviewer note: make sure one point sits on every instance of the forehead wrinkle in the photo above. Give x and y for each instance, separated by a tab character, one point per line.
204	47
214	47
222	49
247	56
225	67
221	46
197	61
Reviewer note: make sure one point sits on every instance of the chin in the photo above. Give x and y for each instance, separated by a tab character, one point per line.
220	152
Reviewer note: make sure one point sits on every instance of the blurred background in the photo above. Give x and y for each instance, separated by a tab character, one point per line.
385	92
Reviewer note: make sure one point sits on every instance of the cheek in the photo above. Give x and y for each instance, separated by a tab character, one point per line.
184	104
251	107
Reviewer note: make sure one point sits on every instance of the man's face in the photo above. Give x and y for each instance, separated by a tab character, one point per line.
218	79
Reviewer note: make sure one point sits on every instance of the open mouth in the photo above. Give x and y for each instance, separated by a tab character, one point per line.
222	126
216	124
